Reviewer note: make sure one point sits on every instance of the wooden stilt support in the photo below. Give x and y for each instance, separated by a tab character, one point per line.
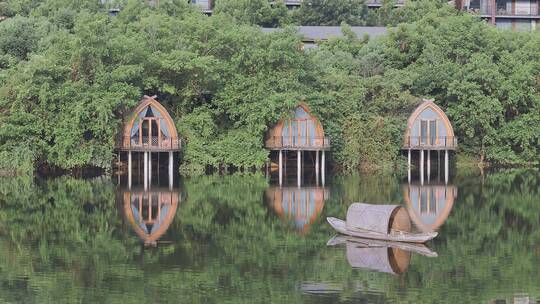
438	165
409	166
317	167
149	169
422	167
409	159
428	164
446	166
280	169
322	168
145	171
171	163
298	166
129	169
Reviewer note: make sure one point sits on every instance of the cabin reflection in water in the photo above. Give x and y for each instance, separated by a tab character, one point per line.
150	213
301	205
429	205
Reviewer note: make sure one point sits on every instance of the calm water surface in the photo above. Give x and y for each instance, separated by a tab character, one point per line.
237	239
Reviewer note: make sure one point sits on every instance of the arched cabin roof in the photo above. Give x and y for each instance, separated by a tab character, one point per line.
275	139
429	104
166	143
143	104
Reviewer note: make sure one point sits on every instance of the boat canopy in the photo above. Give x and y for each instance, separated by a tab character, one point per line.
378	218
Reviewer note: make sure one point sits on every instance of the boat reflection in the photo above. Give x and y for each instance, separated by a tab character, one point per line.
429	205
381	256
151	212
300	204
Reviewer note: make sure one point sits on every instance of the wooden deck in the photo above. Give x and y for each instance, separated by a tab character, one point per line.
154	144
296	143
437	143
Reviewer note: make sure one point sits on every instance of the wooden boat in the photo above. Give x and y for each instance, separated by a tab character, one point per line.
379	222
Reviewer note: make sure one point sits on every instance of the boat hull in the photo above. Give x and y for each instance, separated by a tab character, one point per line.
341	227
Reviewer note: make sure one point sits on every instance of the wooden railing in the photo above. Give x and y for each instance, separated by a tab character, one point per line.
149	143
298	142
417	142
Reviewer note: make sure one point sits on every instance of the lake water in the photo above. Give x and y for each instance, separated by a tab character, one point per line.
242	239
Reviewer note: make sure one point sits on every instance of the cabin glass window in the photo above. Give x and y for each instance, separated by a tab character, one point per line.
302	132
164	129
503	7
149	112
472	5
428	132
135	135
285	134
423	132
135	129
294	132
154	127
311	130
301	113
145	130
433	131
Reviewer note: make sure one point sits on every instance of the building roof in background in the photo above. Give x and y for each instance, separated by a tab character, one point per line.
315	33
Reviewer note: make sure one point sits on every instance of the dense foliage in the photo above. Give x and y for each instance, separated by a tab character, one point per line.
324	12
69	72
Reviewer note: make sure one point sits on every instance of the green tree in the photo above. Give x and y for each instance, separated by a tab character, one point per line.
19	36
332	12
256	12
